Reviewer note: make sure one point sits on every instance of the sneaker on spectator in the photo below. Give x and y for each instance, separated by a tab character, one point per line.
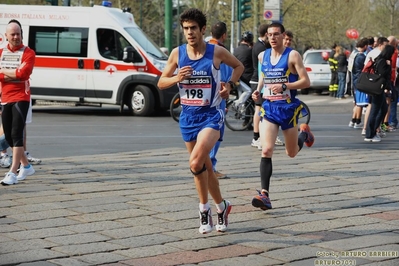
381	134
220	175
5	161
363	132
376	138
223	220
358	125
24	172
33	160
279	142
262	201
391	129
9	179
351	124
310	137
206	224
255	143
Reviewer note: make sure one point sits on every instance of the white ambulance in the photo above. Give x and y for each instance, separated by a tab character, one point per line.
90	55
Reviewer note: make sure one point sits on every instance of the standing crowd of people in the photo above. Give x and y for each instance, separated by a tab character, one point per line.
380	116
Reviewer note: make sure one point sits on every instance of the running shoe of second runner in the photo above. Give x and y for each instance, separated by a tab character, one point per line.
310	137
262	200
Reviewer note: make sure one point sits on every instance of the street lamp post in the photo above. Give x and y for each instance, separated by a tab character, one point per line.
232	25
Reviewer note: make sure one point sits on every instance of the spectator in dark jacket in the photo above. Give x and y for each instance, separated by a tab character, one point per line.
342	67
379	106
244	53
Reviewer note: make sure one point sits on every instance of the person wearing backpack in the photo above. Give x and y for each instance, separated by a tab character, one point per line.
355	67
379	107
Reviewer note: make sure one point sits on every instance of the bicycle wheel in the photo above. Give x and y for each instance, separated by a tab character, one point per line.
304	116
175	107
241	118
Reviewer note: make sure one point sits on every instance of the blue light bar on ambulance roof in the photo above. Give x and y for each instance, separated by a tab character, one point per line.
106	3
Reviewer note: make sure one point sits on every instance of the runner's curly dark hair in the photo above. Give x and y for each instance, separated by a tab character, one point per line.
193	14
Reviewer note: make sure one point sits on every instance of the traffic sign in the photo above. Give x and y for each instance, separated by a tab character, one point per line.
272	14
268	15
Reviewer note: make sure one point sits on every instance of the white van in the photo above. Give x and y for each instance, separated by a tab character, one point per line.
90	55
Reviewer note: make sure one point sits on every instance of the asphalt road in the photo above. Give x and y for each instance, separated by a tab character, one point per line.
62	130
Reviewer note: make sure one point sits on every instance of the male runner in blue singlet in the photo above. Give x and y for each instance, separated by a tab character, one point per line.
198	76
282	73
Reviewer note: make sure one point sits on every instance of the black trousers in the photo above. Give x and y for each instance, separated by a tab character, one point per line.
13	118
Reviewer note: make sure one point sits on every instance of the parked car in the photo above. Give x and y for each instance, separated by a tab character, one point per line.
318	70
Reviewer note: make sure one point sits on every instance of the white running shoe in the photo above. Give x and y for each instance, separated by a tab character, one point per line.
223	217
255	143
24	172
382	134
5	161
9	179
279	142
363	132
376	138
32	160
206	224
358	125
351	124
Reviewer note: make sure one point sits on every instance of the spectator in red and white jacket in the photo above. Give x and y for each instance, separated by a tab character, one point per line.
16	66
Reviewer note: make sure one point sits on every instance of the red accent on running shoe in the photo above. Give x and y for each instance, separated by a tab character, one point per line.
310	137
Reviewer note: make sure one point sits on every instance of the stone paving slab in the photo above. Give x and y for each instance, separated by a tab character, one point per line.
141	208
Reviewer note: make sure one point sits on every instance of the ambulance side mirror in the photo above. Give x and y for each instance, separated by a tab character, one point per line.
130	55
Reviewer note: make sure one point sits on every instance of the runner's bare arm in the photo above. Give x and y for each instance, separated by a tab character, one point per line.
168	79
260	80
224	56
296	66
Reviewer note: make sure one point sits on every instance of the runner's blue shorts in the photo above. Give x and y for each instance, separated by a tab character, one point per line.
283	113
191	123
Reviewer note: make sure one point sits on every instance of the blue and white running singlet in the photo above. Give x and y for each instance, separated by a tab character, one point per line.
284	108
278	73
200	95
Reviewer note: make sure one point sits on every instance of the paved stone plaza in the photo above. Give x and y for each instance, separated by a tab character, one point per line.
331	207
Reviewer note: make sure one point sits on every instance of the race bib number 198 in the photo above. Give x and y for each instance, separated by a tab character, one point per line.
196	91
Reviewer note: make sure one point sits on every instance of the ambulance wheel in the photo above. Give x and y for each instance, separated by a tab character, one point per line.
141	101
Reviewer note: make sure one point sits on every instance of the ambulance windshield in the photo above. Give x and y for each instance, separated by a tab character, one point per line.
146	43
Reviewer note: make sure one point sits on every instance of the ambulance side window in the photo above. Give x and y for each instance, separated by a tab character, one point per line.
111	43
59	41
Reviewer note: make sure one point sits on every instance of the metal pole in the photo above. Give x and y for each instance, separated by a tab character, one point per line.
238	32
141	13
256	17
232	26
178	23
168	24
